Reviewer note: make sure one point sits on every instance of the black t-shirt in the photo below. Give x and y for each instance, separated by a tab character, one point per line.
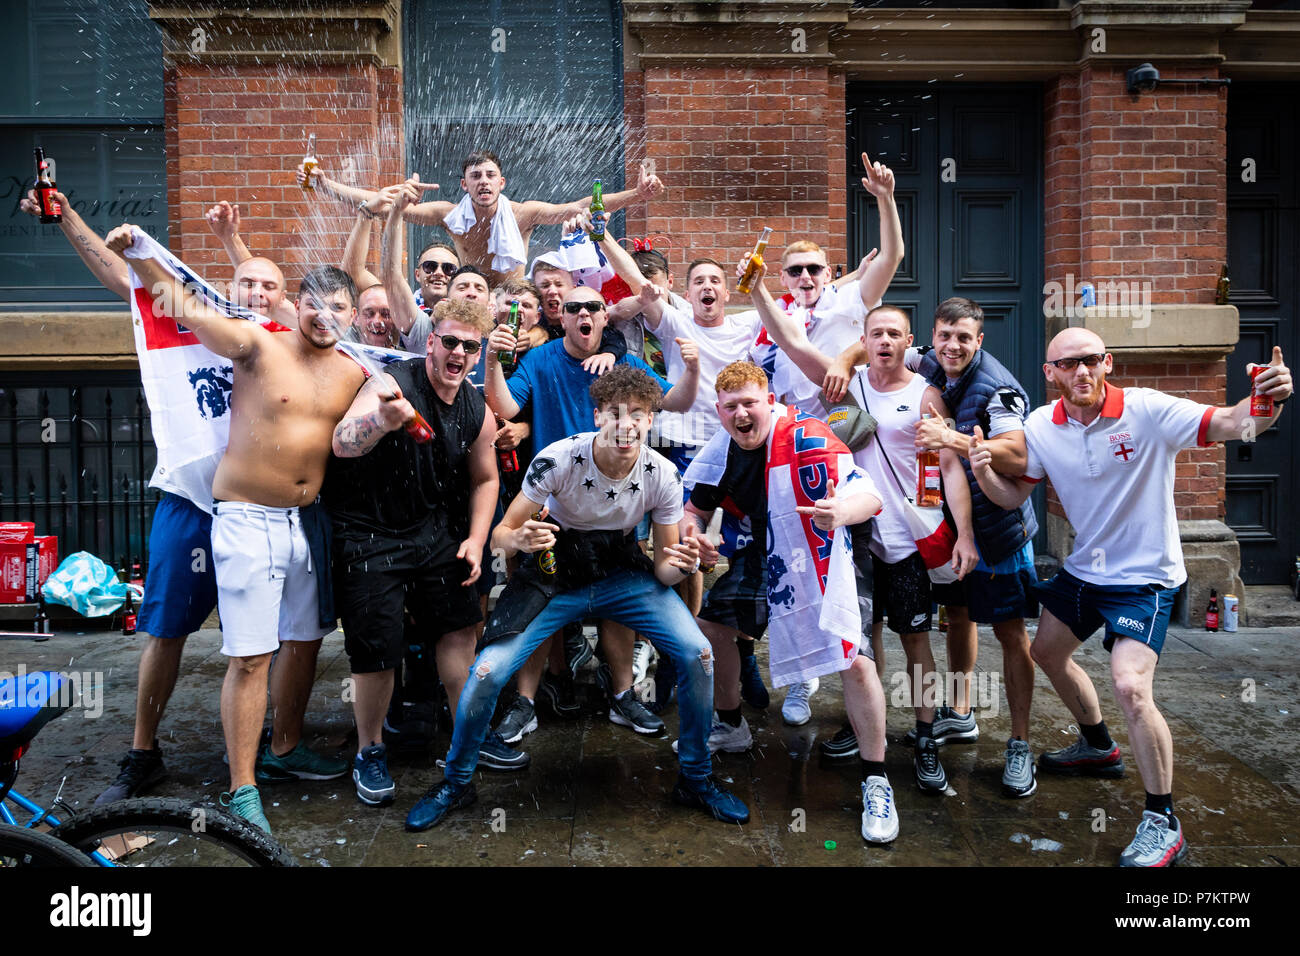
742	492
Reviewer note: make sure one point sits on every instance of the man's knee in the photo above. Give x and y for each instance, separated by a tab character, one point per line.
1132	687
250	665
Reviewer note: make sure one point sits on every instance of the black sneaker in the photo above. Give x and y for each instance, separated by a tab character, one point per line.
495	754
559	694
840	747
1082	759
627	711
577	649
140	770
950	727
929	771
665	684
433	807
519	721
704	794
752	690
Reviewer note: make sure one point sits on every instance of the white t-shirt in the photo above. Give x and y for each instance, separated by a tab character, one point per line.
564	477
835	322
1115	479
719	346
896	414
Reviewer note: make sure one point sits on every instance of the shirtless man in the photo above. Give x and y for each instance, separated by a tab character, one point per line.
290	391
483	180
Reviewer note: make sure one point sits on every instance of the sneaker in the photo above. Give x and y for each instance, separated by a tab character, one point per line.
246	803
641	654
752	690
879	815
1018	777
929	771
375	785
795	711
842	746
627	711
728	739
139	771
559	694
1080	758
665	684
704	794
577	649
1159	842
431	808
300	763
519	721
494	754
950	727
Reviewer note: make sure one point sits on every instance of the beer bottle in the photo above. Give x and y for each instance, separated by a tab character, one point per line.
309	163
51	211
755	260
545	559
839	272
1212	612
1222	287
943	618
597	230
507	359
507	460
929	493
128	612
42	623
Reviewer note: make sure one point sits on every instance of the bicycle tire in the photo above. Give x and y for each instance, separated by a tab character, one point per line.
20	846
165	814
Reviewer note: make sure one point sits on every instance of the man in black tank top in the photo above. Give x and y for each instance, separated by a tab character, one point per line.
410	522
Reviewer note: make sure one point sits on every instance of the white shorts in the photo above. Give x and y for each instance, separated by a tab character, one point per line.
266	586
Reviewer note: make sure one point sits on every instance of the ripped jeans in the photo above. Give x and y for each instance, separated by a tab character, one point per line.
632	598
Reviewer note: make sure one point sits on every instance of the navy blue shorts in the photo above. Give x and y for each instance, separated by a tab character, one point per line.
1137	611
991	598
181	589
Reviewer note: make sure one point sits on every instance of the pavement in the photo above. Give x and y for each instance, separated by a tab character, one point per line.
597	794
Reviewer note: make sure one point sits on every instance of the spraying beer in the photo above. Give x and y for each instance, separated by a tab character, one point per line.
309	163
755	261
929	493
51	211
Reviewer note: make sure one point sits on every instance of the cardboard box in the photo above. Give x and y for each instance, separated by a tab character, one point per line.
17	532
48	557
13	573
25	566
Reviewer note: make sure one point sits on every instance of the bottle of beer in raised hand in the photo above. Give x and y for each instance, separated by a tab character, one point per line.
309	162
755	261
597	230
929	491
507	359
51	211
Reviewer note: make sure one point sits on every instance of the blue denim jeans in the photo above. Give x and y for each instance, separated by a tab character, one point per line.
632	598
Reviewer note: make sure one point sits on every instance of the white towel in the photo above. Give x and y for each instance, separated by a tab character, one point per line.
506	244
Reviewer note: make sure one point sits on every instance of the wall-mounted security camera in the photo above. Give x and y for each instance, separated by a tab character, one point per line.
1142	79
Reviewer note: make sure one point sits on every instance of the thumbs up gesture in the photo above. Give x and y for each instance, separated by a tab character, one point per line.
980	456
1275	378
827	513
933	432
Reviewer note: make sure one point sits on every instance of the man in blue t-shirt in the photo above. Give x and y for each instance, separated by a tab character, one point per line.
554	379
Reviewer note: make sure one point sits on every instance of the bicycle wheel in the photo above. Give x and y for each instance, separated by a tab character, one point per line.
22	847
160	831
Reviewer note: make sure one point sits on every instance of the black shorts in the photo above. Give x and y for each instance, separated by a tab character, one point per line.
902	595
739	598
991	598
376	578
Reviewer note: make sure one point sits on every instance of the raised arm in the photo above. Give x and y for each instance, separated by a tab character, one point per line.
223	220
424	214
646	295
378	409
110	270
786	331
1235	422
233	339
357	249
535	212
495	388
401	300
876	276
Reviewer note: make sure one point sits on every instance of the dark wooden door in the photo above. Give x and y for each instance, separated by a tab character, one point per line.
1262	256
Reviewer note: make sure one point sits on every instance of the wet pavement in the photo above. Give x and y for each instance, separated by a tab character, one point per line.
599	794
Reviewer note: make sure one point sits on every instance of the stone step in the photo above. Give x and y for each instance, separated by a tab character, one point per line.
1270	605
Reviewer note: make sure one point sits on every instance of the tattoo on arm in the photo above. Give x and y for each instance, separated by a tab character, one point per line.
81	237
359	435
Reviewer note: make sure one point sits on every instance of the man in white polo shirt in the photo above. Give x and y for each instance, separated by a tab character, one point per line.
1110	454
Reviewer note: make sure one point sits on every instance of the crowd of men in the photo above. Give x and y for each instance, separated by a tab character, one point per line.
656	435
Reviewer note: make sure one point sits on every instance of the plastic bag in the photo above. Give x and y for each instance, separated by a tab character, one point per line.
87	585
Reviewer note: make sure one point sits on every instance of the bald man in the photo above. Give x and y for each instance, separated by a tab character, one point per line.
1109	452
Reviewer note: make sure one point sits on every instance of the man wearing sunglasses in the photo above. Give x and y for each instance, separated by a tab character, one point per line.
1110	453
411	520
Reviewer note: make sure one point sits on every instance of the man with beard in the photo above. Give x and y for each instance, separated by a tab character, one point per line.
289	392
410	523
1110	452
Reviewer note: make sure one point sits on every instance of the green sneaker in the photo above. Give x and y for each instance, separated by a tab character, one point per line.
300	763
246	803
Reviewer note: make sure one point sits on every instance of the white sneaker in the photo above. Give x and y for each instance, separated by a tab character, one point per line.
640	661
879	815
728	739
795	711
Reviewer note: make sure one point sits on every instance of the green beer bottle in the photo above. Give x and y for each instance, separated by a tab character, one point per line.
597	230
507	359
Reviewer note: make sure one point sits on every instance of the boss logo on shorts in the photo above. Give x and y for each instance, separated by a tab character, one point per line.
1130	623
1121	446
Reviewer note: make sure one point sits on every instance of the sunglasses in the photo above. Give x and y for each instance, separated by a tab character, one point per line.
795	272
431	268
1070	364
449	342
573	308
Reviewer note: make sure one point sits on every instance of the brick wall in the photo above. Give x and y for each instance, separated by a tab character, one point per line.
745	148
240	132
634	143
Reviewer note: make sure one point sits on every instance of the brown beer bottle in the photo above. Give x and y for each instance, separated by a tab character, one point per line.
128	611
755	261
51	211
929	492
309	162
1222	287
1212	612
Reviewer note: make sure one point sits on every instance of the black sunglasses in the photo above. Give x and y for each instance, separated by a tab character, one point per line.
431	268
449	342
813	268
592	306
1070	364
